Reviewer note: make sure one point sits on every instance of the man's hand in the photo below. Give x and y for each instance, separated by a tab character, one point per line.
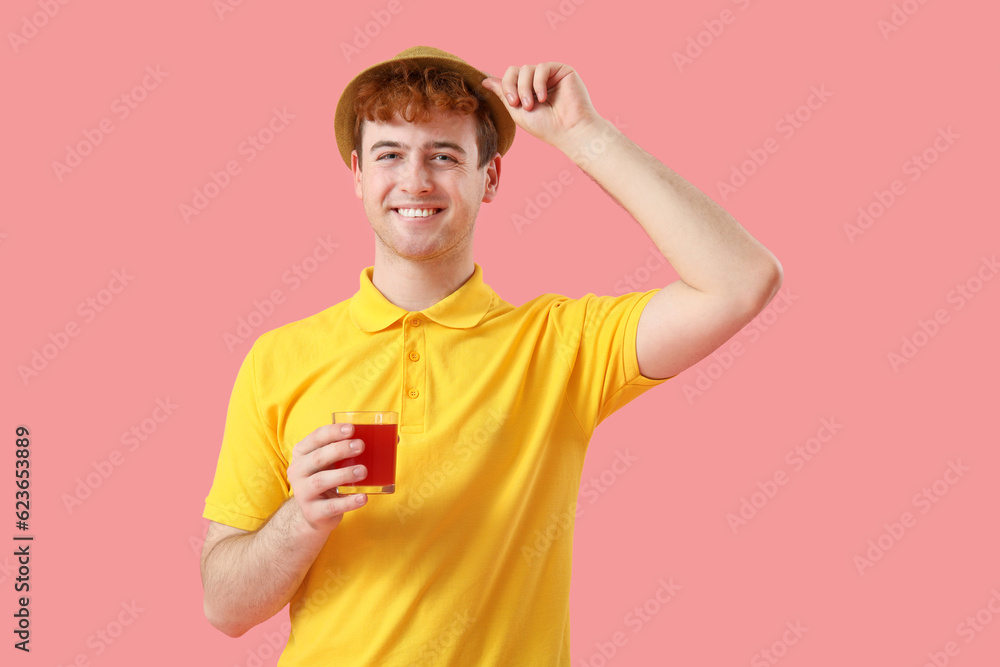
547	100
314	482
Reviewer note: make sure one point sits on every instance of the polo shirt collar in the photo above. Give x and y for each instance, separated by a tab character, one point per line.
462	309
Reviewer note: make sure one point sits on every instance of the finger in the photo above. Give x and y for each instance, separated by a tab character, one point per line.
541	80
555	72
324	510
509	84
495	85
326	480
335	506
325	457
322	436
524	86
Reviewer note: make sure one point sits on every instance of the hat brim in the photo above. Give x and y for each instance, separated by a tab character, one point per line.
345	118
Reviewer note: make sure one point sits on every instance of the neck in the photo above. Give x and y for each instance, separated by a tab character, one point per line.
416	285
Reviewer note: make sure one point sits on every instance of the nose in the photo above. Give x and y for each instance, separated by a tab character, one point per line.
415	178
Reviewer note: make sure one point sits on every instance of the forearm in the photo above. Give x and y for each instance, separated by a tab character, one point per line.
710	251
249	578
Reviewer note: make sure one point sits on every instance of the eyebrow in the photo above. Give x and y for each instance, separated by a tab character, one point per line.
430	144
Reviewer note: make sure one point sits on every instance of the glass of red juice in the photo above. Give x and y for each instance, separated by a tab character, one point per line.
378	430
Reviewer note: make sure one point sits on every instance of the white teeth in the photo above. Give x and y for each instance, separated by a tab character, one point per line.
417	212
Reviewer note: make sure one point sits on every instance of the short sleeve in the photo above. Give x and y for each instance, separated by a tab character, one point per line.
597	337
251	475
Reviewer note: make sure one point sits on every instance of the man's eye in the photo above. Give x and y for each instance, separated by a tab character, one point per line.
386	156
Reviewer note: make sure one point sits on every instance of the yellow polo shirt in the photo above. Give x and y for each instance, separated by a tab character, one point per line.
469	562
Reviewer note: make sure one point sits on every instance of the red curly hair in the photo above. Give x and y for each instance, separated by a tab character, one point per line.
414	92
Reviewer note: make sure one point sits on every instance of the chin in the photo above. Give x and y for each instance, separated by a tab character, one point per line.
412	253
419	256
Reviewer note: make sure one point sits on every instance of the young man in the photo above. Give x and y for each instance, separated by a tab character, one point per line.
468	563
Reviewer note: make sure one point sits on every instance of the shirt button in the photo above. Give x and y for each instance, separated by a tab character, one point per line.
413	393
415	322
414	356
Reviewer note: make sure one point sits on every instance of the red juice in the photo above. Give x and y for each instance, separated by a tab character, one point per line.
379	456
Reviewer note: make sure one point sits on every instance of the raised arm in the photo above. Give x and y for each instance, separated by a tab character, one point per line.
725	275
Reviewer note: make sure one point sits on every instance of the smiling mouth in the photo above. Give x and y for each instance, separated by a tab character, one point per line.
417	213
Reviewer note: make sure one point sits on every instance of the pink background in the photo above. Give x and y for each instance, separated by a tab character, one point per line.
850	303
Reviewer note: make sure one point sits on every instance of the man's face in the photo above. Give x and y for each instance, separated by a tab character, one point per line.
423	166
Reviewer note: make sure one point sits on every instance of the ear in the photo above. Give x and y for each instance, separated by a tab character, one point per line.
492	179
357	174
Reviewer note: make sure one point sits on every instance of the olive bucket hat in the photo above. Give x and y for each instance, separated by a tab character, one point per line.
345	118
